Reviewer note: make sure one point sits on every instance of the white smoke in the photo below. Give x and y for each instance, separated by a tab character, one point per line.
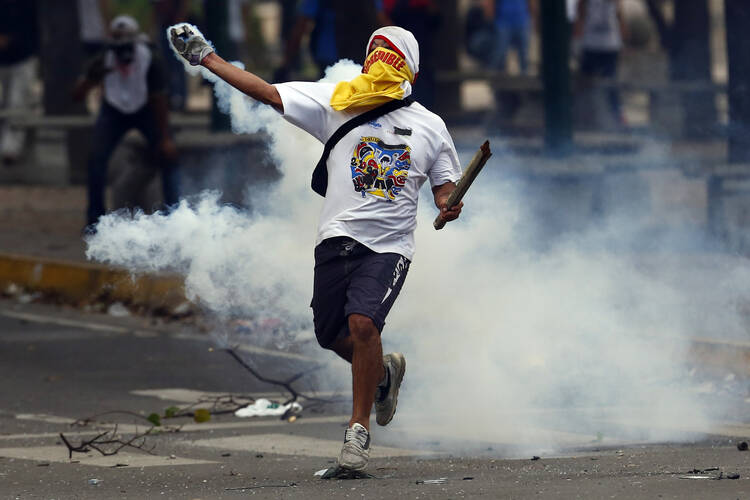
506	344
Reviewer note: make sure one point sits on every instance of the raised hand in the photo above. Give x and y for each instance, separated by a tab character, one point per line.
189	44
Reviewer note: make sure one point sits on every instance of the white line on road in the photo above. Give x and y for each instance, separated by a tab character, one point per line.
192	427
41	417
60	454
181	395
38	318
284	444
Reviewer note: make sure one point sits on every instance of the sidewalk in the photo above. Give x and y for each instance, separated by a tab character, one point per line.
43	221
42	250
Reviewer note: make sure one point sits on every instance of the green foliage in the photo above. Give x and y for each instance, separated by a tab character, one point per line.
155	419
201	415
171	412
141	10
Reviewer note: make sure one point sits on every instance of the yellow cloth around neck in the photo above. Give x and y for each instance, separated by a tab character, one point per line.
380	81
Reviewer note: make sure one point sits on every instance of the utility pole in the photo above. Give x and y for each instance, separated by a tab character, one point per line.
446	43
217	30
61	60
355	22
558	115
690	61
738	47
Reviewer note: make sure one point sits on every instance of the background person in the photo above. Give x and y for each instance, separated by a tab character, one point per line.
133	97
514	20
599	31
18	48
334	27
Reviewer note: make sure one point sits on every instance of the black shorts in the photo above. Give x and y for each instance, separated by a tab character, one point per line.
352	279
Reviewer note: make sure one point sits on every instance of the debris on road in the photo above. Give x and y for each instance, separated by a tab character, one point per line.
118	310
12	290
742	446
94	481
535	457
440	480
181	310
242	488
337	472
264	408
28	298
704	474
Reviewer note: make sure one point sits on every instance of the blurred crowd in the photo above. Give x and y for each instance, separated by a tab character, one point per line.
317	31
126	55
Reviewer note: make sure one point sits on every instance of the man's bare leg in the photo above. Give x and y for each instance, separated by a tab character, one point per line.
344	347
367	367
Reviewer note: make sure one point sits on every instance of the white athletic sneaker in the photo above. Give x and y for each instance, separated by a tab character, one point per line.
387	397
356	450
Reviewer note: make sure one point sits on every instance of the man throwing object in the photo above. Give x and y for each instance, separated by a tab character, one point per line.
365	239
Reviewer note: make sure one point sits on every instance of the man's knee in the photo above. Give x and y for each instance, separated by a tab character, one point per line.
362	328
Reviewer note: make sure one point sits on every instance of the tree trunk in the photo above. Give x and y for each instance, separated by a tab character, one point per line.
355	22
558	115
690	61
447	42
61	58
217	30
738	47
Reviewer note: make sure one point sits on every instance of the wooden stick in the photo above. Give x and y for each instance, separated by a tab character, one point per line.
464	183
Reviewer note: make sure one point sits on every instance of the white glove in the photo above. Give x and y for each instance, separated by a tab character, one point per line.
193	47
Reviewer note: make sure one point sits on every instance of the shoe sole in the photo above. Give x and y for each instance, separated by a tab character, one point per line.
399	378
359	468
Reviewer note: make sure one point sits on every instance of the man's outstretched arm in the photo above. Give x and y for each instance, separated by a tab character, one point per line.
196	50
244	81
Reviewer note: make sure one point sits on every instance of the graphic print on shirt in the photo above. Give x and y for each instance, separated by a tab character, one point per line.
380	169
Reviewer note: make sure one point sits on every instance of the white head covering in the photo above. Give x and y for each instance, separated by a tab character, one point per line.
403	41
124	28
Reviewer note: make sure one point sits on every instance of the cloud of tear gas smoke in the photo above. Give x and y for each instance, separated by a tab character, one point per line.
508	346
256	269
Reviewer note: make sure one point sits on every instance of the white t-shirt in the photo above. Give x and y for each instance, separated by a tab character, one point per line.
601	28
376	171
127	91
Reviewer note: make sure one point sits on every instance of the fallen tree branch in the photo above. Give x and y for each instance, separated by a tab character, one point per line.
109	443
286	384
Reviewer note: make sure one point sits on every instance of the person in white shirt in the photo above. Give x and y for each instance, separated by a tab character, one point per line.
600	30
366	230
133	97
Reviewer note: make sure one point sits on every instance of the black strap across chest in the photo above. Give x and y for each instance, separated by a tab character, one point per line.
319	182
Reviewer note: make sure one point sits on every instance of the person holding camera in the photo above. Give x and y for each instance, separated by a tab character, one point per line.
133	97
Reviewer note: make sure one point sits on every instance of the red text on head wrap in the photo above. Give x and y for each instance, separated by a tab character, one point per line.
390	58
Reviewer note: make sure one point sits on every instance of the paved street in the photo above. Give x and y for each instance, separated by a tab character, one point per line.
57	365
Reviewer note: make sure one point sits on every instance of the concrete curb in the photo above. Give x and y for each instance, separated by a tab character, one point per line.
82	282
